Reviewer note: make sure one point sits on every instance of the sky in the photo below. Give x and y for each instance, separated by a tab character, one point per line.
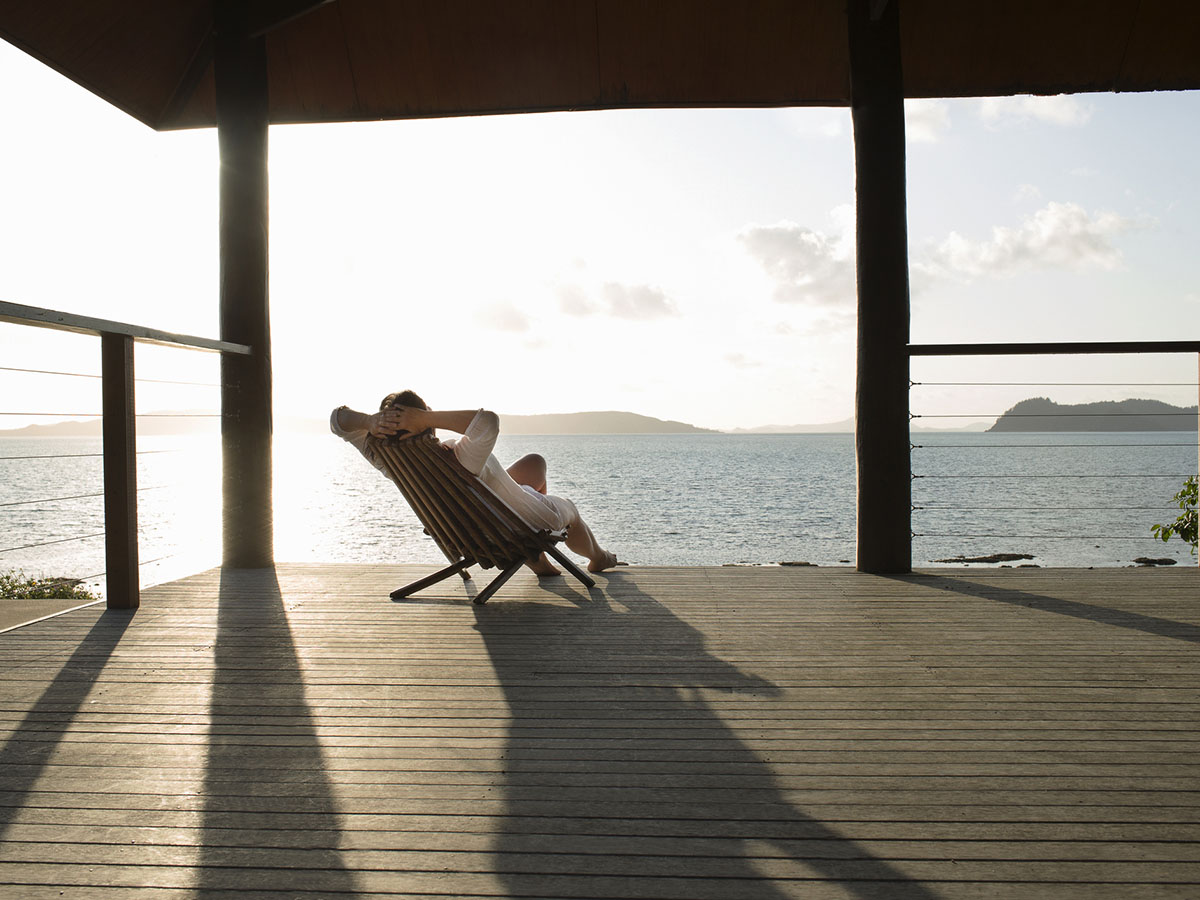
695	265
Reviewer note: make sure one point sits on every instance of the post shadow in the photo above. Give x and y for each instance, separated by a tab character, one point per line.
583	776
261	733
25	755
1103	615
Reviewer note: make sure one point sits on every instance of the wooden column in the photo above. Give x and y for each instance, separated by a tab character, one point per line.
120	472
881	403
240	68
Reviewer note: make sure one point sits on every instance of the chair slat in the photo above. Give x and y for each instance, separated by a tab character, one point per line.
435	513
403	480
488	526
491	506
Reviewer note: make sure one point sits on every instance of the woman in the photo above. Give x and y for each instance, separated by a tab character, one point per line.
522	485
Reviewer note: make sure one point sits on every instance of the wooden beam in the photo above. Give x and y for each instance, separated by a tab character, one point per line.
241	99
881	401
120	472
201	59
1054	347
267	15
60	321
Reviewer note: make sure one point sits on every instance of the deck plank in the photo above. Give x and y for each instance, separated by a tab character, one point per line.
757	732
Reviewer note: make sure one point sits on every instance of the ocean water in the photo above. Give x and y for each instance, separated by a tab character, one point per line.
1062	500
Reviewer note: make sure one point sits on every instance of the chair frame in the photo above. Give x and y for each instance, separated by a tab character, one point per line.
466	519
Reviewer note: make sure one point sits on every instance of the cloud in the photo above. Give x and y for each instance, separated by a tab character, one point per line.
635	302
1027	192
504	316
1061	235
574	301
925	120
807	267
1061	109
741	361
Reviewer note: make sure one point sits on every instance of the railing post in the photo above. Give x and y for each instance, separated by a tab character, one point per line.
120	471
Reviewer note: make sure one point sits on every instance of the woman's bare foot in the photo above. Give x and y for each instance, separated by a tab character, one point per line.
542	567
605	560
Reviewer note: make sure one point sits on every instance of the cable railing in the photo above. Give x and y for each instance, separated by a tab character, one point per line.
105	504
1052	486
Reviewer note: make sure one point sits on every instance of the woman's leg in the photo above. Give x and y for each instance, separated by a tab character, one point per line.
531	470
581	540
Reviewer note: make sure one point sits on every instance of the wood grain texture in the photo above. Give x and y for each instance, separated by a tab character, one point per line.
672	733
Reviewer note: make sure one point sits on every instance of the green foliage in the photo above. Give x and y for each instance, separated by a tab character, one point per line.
1185	525
19	586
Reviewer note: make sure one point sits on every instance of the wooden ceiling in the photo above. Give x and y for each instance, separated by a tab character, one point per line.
360	60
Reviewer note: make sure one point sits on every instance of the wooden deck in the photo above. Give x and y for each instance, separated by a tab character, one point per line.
677	733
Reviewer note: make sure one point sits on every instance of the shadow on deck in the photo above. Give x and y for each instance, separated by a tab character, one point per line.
674	733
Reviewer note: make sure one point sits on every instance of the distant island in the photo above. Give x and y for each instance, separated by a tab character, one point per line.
843	426
609	422
1043	414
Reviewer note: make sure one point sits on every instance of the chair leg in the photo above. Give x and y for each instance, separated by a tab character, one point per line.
451	558
571	567
483	596
460	566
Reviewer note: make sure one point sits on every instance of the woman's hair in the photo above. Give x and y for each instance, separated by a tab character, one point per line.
403	398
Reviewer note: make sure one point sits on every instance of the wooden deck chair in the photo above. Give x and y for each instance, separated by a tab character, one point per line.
466	519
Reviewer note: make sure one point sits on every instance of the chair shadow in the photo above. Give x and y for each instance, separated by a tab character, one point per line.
26	754
621	770
1180	631
257	682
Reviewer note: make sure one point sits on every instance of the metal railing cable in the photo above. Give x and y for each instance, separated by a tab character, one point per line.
95	576
1190	384
154	487
82	455
1189	415
99	376
1118	491
80	537
913	446
124	527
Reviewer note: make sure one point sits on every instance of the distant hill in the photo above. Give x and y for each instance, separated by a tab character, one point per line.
1043	414
556	423
595	423
184	423
845	426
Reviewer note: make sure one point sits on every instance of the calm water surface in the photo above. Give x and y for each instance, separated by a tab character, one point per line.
1065	500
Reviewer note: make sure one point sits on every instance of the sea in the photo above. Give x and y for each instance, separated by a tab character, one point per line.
1078	499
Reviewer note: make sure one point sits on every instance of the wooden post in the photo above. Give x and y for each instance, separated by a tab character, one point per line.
120	471
240	69
881	402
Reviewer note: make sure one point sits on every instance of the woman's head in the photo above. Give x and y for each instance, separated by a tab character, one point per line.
403	398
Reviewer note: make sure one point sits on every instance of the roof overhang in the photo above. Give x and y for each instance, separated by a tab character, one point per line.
361	60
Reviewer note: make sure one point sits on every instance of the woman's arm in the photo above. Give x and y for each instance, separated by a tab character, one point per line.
413	420
404	418
348	419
